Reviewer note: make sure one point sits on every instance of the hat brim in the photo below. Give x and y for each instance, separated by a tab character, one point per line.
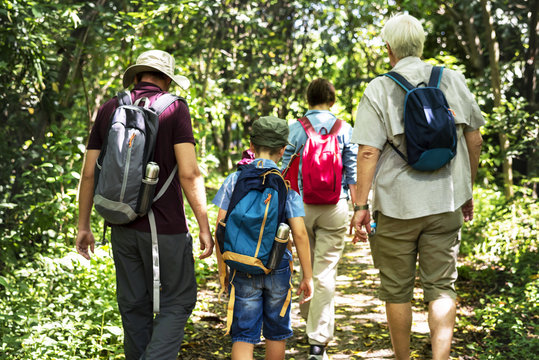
129	75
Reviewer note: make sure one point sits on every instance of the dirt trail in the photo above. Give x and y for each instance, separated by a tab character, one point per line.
360	328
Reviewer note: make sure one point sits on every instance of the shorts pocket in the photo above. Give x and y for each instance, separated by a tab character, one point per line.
372	245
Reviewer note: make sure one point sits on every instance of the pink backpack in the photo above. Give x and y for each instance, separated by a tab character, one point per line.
321	165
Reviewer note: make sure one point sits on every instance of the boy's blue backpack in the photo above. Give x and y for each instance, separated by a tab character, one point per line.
429	125
257	207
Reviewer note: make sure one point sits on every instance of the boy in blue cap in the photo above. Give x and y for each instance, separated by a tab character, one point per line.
260	299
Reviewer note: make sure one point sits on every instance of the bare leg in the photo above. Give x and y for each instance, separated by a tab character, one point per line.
242	351
441	323
275	350
399	319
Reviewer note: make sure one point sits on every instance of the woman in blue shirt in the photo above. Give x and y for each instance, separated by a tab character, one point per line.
326	224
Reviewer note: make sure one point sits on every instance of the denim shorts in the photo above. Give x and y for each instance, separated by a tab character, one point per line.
259	300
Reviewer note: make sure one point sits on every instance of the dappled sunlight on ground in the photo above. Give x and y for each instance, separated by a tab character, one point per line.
361	330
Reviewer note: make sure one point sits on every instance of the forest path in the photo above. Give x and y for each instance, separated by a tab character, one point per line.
361	330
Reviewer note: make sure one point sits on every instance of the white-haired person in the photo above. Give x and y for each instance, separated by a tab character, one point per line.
419	214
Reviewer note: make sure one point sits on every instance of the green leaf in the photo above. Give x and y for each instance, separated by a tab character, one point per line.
114	330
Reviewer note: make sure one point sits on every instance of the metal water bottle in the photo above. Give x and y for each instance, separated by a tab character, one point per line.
147	190
279	246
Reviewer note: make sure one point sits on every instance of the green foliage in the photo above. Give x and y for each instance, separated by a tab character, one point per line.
44	205
60	306
502	230
62	60
501	246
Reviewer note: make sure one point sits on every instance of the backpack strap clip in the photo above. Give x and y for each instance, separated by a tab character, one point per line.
124	98
146	102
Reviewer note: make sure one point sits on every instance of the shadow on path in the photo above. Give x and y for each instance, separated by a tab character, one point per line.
361	330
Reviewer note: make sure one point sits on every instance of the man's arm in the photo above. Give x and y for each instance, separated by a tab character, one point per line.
367	158
192	184
353	193
85	238
474	140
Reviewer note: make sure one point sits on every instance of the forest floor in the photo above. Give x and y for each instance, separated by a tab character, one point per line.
361	330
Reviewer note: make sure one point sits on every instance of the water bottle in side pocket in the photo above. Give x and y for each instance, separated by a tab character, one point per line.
279	246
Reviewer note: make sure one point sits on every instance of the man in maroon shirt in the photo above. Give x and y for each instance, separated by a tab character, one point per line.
146	337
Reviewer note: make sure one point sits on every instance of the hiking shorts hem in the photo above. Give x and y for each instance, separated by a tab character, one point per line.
398	244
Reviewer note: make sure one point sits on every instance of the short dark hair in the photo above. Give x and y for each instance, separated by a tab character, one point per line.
271	150
156	74
320	91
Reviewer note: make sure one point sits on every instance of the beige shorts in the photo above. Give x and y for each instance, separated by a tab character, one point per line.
398	244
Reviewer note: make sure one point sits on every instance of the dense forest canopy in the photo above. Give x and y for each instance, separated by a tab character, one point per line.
61	59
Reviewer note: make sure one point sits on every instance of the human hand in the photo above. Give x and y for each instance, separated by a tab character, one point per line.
306	287
361	218
85	239
467	210
206	244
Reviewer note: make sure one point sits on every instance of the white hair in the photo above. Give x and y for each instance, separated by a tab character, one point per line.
404	35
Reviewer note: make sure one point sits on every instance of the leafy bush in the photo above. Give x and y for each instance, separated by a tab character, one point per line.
40	204
61	307
500	248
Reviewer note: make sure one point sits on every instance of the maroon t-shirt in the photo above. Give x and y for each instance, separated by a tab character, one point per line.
174	128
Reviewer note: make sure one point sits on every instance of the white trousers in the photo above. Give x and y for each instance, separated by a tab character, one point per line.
326	226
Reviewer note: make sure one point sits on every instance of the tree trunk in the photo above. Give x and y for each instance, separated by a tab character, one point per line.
530	84
469	39
530	74
494	59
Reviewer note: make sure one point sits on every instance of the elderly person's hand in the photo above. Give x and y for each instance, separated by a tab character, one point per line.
361	218
467	210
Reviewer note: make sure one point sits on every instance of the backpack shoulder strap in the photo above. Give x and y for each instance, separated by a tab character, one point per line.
399	79
436	76
164	101
155	244
336	127
246	183
124	97
304	121
239	191
398	151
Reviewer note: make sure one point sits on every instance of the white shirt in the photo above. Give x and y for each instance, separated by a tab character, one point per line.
400	191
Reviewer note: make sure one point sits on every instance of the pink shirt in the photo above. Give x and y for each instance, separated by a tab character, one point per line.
174	128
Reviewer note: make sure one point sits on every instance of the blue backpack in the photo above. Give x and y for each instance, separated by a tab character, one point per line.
429	125
257	207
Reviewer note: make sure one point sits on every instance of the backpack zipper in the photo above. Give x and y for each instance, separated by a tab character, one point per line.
127	163
267	202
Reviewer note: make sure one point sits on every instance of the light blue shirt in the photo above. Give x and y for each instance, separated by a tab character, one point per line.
294	203
324	119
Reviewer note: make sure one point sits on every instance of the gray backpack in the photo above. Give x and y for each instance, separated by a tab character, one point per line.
124	156
120	181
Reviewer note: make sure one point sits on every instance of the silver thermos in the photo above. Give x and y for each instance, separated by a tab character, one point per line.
147	189
279	246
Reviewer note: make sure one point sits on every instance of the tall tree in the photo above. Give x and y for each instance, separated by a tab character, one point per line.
494	60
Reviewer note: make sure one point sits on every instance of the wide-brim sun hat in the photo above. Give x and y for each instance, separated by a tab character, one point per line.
155	60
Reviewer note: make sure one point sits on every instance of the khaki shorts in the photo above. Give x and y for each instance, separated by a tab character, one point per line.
395	248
